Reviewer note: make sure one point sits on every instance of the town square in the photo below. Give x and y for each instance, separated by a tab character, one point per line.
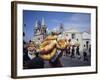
56	39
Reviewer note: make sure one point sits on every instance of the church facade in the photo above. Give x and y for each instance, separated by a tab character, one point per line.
40	31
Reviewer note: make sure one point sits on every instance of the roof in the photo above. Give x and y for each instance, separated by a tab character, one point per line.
72	30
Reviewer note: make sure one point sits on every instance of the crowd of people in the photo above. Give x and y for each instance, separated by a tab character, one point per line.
51	49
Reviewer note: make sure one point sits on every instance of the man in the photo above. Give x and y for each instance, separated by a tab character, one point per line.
68	47
36	62
85	53
77	44
60	45
73	52
90	49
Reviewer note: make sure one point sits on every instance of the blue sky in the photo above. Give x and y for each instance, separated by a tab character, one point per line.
80	21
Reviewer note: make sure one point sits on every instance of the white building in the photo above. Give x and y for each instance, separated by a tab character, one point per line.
74	34
86	39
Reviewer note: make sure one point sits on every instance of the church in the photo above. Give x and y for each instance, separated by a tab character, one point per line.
40	31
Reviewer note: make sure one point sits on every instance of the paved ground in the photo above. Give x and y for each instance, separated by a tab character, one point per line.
67	61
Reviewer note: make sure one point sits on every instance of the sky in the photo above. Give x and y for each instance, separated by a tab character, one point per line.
81	21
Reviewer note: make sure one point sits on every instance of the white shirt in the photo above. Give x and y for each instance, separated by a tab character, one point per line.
31	55
84	49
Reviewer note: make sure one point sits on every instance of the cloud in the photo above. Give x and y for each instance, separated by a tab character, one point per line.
83	18
79	21
79	26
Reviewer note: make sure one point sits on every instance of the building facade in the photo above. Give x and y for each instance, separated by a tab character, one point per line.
84	38
40	31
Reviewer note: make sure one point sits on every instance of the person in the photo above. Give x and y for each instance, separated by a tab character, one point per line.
87	43
62	43
36	62
55	61
47	48
77	44
68	49
85	58
73	52
77	50
31	50
51	49
90	49
25	53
